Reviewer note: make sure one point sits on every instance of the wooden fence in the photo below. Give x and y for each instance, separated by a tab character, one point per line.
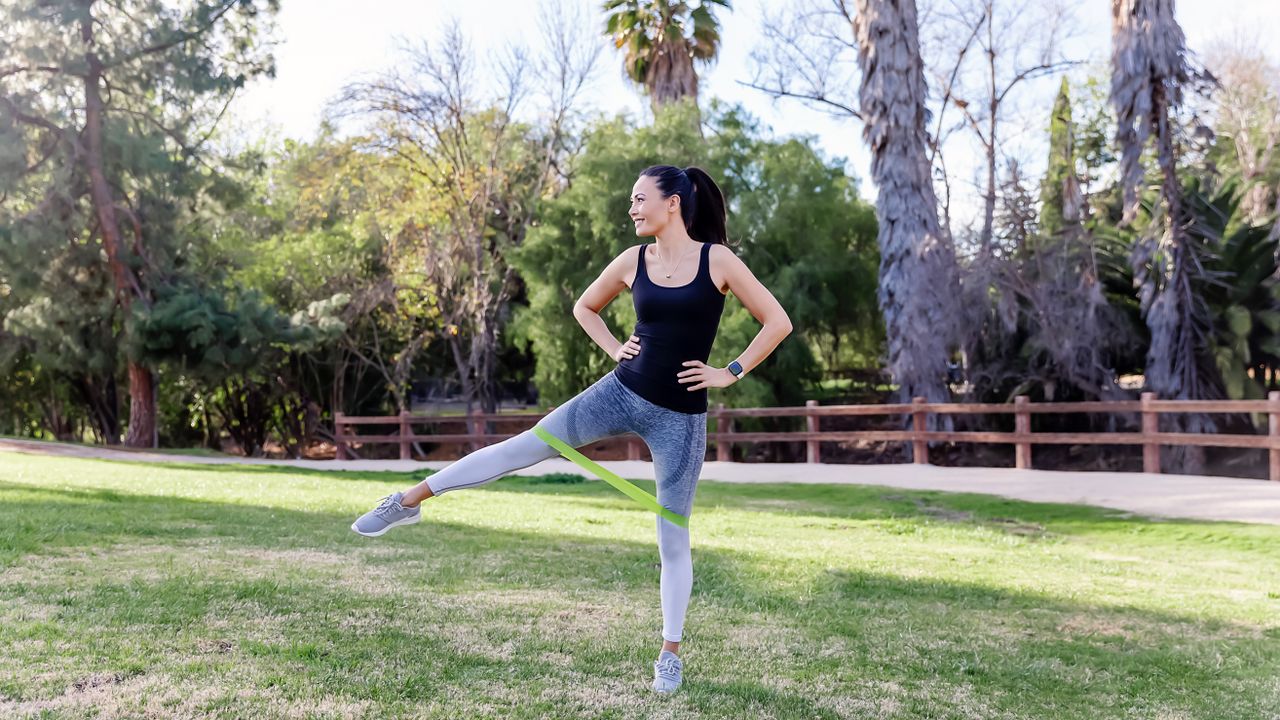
1022	438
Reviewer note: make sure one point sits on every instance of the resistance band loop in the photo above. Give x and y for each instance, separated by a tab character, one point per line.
648	501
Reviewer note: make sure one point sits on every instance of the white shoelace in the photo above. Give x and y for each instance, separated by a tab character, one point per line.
668	668
387	505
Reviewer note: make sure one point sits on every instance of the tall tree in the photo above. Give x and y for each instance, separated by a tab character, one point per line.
1019	42
663	39
1061	202
105	84
918	282
1149	69
1055	334
482	175
1247	123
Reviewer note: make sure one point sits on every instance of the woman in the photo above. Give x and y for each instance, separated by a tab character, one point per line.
658	389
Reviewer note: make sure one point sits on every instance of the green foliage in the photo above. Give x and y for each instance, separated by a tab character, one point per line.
1238	285
1061	170
636	26
208	336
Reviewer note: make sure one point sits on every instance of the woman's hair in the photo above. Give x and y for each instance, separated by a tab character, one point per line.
701	202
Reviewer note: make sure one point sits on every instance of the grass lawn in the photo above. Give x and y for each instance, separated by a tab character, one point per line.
135	590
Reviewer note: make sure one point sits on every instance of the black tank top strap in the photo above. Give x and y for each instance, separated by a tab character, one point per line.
641	273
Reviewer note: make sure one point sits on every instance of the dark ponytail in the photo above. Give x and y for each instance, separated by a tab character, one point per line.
701	202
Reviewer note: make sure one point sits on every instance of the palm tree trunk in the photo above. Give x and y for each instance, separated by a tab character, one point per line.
1148	68
672	76
918	281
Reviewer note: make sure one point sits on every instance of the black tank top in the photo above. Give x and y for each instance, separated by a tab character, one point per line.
674	324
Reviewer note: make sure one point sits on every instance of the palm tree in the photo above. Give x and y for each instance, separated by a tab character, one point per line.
918	285
1148	70
662	40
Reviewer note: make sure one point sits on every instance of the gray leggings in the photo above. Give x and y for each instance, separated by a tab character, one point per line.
677	441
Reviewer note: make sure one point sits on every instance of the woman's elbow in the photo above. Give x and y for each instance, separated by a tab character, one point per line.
784	325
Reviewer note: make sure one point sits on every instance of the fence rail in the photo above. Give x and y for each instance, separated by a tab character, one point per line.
1022	438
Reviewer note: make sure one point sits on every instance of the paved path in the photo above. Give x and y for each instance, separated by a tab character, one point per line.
1190	496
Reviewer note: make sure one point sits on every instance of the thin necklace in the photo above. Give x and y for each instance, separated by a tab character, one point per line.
682	257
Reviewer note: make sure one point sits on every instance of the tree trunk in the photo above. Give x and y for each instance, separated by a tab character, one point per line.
1148	69
142	403
993	107
103	403
671	75
918	282
142	408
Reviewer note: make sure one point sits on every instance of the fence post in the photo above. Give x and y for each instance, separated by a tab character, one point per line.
633	447
724	449
1273	422
1150	426
1022	426
472	445
811	421
919	447
340	446
404	434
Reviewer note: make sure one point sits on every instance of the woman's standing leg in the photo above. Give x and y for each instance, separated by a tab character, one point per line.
678	443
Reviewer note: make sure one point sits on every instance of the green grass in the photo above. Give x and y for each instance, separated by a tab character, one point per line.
136	590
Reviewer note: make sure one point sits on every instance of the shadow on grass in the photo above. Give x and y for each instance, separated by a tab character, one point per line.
266	470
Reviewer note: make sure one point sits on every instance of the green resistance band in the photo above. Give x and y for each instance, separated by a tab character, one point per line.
648	501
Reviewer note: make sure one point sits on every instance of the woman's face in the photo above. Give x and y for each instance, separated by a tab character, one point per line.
649	210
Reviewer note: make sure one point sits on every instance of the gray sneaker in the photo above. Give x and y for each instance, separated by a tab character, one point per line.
387	515
666	672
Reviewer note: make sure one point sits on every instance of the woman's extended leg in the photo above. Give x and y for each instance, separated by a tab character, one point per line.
598	412
587	417
482	466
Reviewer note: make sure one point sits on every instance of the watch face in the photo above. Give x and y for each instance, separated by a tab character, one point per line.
735	367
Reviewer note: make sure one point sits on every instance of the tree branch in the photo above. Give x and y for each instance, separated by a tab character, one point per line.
177	39
779	92
14	70
1034	72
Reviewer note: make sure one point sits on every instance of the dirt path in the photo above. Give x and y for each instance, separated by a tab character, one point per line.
1189	496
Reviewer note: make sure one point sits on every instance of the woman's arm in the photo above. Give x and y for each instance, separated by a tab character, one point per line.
775	325
600	293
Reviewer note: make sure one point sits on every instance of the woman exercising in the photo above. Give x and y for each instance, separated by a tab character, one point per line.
658	390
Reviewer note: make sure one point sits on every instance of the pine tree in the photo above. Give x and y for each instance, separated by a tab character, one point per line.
111	105
1060	198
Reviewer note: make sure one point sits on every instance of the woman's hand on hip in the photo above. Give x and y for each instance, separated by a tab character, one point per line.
627	350
704	375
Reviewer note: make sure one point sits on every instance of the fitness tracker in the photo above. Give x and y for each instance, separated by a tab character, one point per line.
735	367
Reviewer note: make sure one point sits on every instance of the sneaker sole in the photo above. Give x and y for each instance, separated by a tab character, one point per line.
406	521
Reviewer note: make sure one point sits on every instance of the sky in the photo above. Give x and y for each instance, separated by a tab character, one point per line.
327	43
